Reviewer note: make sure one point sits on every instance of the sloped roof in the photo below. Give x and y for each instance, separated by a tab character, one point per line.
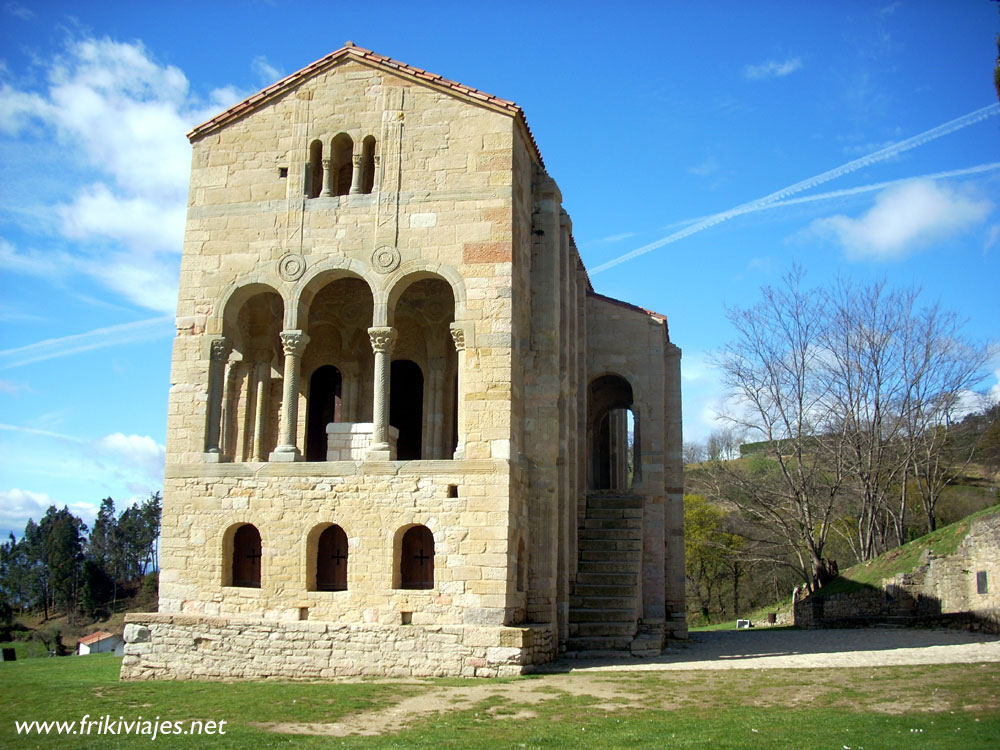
94	637
351	52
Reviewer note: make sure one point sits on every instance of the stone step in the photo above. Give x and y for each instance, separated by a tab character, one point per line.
610	523
601	614
614	501
625	545
590	629
586	602
604	589
626	572
624	556
590	535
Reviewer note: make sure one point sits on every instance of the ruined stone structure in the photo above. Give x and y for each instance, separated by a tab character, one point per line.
956	590
401	423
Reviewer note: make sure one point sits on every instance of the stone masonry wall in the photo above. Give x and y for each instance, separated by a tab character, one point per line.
182	647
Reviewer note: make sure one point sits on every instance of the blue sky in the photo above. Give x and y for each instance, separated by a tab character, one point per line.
701	149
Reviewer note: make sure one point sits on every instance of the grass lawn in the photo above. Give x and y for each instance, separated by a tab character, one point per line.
946	706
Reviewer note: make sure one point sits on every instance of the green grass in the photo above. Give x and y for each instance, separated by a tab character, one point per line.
27	649
948	706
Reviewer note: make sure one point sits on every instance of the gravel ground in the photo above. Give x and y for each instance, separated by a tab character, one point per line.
761	648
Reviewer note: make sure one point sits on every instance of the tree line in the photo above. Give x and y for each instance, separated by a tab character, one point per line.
59	564
849	408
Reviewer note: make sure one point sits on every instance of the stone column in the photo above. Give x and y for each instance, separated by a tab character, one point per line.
327	178
383	338
356	174
219	355
458	334
293	343
263	376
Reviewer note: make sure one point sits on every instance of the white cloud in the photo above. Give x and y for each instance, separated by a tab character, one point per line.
17	506
110	112
137	456
18	11
904	218
772	69
266	72
706	168
14	389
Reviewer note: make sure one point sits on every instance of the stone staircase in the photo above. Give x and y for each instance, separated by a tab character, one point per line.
603	600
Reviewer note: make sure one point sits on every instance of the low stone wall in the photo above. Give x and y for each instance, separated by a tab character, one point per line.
180	647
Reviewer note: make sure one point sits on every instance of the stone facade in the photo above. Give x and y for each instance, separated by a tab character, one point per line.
959	590
401	421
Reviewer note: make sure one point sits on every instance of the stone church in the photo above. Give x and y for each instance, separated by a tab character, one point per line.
406	436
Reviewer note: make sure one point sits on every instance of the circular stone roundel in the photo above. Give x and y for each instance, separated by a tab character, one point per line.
291	267
385	259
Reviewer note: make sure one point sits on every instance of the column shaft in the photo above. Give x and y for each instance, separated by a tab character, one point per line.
293	343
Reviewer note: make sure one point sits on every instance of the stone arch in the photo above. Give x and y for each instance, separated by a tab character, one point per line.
613	433
413	557
368	164
233	298
412	271
317	276
327	550
314	181
341	163
242	553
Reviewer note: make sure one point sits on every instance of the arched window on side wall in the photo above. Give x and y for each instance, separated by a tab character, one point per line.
368	164
331	560
315	177
416	559
246	557
613	432
324	407
342	169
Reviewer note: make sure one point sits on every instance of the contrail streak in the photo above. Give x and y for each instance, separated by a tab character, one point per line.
785	193
123	333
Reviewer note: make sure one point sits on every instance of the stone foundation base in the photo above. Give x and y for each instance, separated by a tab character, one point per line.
182	647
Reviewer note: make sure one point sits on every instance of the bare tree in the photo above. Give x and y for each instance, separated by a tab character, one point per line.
773	372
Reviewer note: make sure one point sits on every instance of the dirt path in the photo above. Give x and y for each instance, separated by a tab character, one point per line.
724	650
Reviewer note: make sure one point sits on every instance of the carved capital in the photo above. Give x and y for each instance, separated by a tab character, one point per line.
294	342
326	162
356	159
220	349
458	334
383	338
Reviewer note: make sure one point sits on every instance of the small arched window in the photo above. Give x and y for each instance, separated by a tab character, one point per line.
342	166
416	559
314	180
246	557
331	560
368	164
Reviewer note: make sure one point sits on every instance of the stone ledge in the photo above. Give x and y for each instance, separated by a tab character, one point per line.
322	470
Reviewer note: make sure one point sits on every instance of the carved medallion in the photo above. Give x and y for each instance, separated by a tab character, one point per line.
385	259
291	267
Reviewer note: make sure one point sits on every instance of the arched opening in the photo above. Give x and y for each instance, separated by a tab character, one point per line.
416	559
613	432
331	560
368	164
324	407
245	563
422	313
314	180
251	390
342	166
339	316
406	407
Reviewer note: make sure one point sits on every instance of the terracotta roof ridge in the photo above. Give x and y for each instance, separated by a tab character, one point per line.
360	53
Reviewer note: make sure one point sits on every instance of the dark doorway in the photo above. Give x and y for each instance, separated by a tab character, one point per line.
246	557
324	408
406	407
331	560
416	561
